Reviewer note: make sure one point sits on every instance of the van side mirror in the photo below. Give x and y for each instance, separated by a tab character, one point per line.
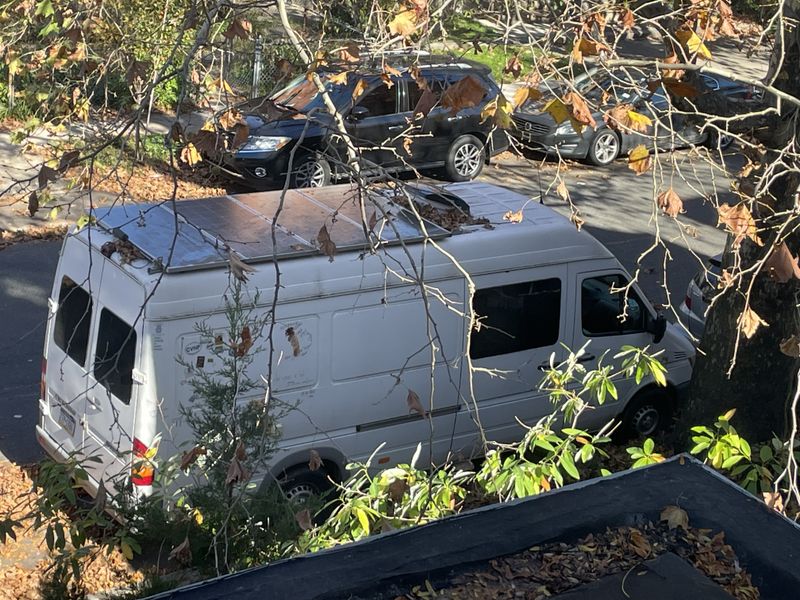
358	113
657	326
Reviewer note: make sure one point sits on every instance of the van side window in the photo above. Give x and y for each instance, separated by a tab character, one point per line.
516	317
114	355
601	307
71	330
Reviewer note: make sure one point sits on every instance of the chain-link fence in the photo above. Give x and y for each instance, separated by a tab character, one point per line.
256	67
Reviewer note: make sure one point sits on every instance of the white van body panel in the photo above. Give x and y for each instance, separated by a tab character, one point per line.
362	326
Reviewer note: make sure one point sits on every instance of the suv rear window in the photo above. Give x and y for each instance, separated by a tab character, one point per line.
71	331
115	355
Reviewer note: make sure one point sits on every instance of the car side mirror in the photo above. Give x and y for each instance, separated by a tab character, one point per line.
358	113
657	326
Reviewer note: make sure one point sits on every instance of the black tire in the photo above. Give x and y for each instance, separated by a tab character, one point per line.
311	171
465	159
302	484
604	148
648	412
718	140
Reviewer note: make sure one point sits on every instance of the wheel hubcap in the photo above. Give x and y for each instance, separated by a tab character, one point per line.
309	174
645	420
468	160
725	140
606	147
300	493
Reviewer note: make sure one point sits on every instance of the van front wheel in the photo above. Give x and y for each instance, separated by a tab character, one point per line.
647	413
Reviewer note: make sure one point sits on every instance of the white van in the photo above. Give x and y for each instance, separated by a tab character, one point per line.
352	331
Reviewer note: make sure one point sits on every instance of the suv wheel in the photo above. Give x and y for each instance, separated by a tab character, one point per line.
311	172
604	148
465	159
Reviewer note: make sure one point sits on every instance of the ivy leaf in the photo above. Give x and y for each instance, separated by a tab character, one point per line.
639	159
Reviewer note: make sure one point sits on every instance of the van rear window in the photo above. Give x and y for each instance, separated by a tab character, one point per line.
71	331
516	317
115	355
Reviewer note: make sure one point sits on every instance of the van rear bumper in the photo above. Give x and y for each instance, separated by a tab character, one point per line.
57	453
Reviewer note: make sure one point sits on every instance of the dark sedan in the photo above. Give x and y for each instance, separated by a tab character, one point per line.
536	128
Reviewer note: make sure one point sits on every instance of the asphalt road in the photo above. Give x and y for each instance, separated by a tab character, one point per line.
616	204
26	278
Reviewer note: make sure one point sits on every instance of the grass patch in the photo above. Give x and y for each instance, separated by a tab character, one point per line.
497	57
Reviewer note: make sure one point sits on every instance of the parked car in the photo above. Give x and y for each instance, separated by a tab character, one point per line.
536	128
351	335
701	290
295	119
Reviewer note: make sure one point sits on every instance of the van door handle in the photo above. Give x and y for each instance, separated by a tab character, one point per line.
396	127
586	358
93	403
455	118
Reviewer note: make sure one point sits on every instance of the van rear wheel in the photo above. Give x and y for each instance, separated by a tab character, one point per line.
647	413
302	485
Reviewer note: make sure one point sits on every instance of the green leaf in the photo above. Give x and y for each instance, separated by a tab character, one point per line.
699	448
731	461
44	9
728	415
568	464
648	446
363	519
127	551
605	472
53	214
765	453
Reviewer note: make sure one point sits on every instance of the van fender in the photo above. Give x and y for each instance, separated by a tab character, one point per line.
333	462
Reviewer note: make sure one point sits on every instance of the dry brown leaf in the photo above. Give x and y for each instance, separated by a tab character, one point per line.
239	269
303	519
387	81
624	119
670	203
339	78
326	245
404	23
68	160
190	456
576	219
739	222
414	405
465	93
245	344
190	155
314	460
513	66
773	500
350	53
781	264
294	342
513	217
176	132
639	159
561	190
526	93
360	88
397	489
45	176
672	73
640	544
237	472
579	109
680	88
33	203
791	346
426	102
284	67
240	134
675	517
749	322
628	19
241	28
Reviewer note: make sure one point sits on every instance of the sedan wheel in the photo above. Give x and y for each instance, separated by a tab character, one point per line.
465	158
604	149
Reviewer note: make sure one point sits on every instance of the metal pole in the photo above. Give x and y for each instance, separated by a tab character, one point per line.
254	89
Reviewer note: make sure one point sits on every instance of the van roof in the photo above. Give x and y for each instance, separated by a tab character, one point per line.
308	221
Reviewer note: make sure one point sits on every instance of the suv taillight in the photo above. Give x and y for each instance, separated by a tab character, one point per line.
688	302
43	382
142	470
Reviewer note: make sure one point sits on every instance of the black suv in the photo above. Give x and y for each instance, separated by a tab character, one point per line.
384	121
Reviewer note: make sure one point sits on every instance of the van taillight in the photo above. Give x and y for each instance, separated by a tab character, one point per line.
142	470
43	383
688	302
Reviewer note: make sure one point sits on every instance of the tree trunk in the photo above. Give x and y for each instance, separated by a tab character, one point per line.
760	384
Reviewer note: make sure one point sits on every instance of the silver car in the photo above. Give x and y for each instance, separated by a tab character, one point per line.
701	290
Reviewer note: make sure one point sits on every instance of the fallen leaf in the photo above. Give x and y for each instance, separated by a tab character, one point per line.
628	19
672	73
350	53
693	44
791	346
513	217
670	203
360	88
326	245
675	517
314	460
749	322
465	93
241	132
339	78
237	472
190	154
739	222
526	93
773	500
579	109
781	265
45	176
499	110
191	456
558	110
404	23
640	544
239	269
303	519
414	405
576	219
639	159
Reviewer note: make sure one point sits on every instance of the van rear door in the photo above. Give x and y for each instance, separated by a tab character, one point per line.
68	348
111	394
